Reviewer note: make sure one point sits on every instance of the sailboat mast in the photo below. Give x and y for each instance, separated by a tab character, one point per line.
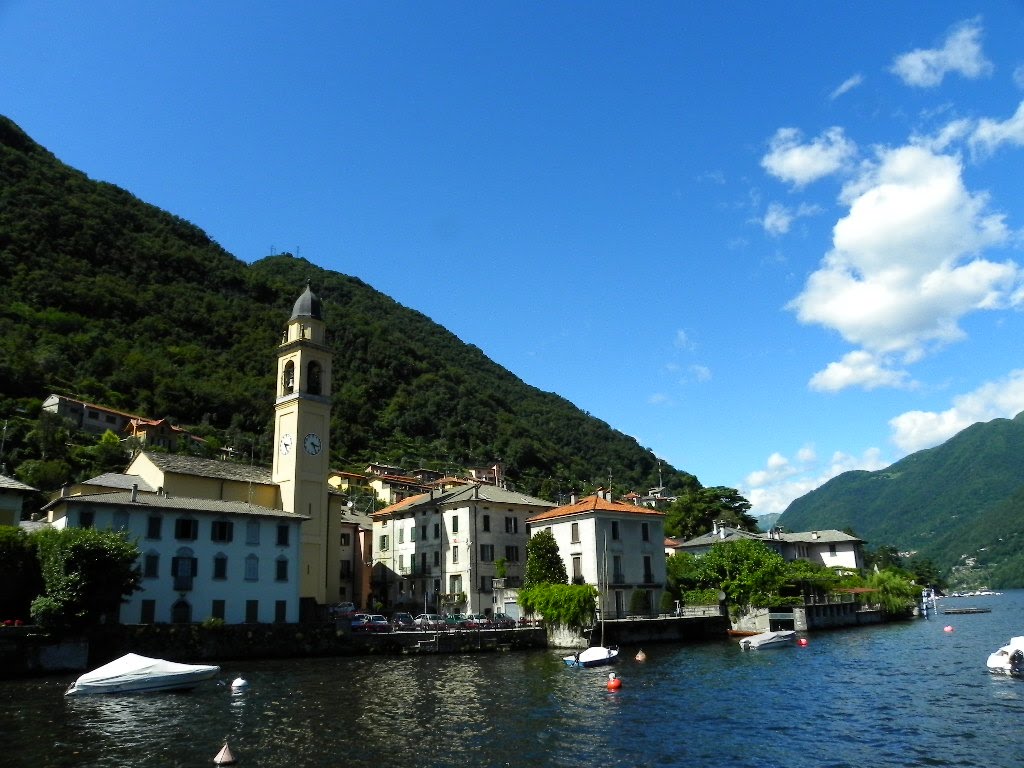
604	601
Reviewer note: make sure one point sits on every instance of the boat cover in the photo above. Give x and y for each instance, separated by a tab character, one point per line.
134	672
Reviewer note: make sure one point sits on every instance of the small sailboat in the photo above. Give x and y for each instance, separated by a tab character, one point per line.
595	655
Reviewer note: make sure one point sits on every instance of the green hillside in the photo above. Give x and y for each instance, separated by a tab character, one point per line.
111	300
958	501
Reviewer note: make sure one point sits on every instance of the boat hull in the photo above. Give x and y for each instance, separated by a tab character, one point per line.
1008	660
768	640
139	674
595	656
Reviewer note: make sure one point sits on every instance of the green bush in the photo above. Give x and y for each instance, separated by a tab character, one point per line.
571	605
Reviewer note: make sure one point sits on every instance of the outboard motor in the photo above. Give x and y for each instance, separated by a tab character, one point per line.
1017	664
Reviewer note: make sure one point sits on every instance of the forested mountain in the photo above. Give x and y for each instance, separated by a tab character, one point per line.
957	503
111	300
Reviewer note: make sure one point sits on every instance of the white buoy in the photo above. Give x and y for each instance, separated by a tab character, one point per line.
239	684
224	757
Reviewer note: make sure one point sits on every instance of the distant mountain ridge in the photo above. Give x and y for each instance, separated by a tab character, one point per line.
108	299
959	501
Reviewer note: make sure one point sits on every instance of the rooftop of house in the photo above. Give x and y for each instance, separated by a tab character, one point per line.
157	501
10	484
222	470
722	532
120	481
599	502
461	494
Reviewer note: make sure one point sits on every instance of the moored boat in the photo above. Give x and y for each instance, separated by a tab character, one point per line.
1008	660
768	640
595	656
133	674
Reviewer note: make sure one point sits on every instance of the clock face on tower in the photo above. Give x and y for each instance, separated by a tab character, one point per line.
312	444
286	444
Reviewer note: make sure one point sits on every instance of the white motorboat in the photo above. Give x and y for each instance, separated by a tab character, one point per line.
768	640
1008	660
133	673
595	656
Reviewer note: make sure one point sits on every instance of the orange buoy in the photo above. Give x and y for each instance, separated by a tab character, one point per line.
224	757
613	682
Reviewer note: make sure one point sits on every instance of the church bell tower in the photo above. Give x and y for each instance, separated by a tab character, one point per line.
302	418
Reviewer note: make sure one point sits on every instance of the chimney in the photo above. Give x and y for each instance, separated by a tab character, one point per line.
135	492
572	497
714	527
721	532
814	535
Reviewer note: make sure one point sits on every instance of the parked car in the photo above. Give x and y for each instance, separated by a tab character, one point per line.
378	623
403	622
477	621
360	622
341	609
503	621
455	620
429	621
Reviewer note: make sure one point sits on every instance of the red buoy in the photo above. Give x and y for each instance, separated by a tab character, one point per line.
802	642
613	682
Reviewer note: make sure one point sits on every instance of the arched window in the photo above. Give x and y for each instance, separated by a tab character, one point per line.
288	378
181	612
252	568
184	568
220	566
313	378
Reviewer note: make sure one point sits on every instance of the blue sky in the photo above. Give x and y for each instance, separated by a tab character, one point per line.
772	242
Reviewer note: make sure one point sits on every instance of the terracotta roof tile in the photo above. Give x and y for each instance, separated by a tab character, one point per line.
595	503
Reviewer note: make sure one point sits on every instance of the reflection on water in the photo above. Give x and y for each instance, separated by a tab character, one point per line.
899	695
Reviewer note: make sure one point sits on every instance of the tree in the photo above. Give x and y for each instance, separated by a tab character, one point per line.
893	591
108	455
886	556
694	511
543	563
45	475
571	605
87	573
747	571
20	579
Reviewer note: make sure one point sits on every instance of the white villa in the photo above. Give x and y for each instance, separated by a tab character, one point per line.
827	547
617	547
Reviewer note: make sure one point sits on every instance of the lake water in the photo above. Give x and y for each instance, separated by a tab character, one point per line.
906	694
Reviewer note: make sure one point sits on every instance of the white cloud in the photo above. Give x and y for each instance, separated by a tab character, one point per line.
1018	76
778	218
961	53
682	340
948	135
659	399
858	369
848	85
773	488
989	134
904	267
798	163
700	372
1004	398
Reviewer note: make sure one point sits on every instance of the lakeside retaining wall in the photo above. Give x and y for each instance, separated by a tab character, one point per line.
27	651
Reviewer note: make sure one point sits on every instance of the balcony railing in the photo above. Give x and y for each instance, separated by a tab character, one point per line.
415	570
